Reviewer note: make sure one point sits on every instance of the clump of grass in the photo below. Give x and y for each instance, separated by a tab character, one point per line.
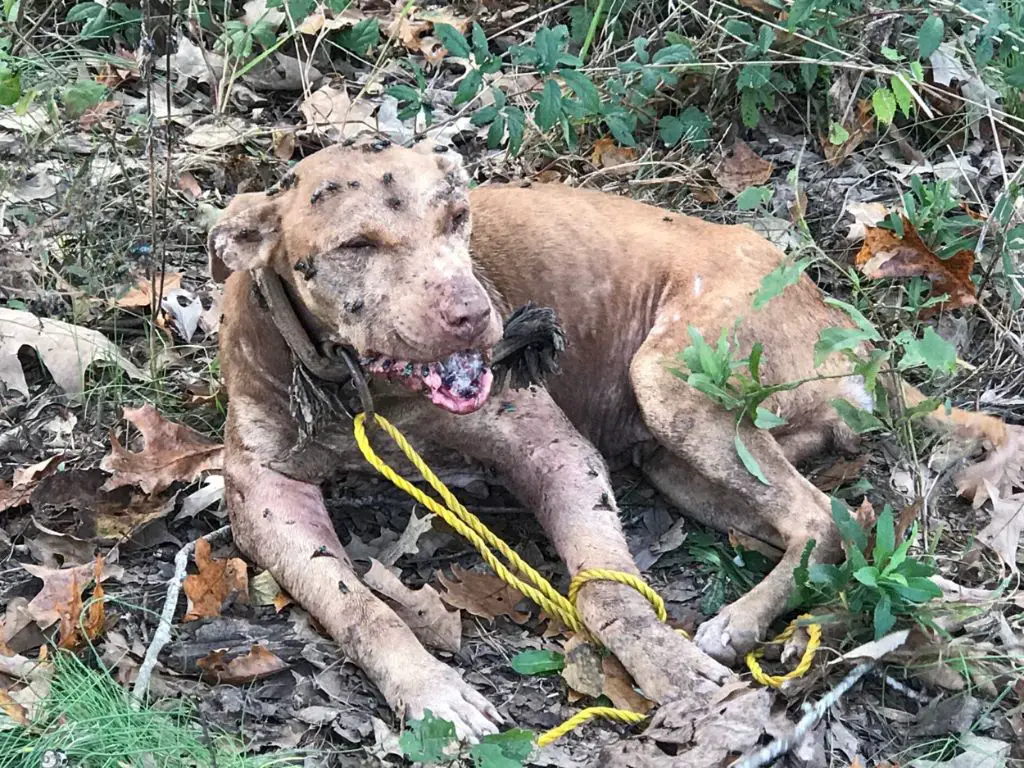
89	719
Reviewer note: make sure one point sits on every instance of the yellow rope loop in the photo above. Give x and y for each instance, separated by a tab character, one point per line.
601	574
466	524
622	715
536	587
776	681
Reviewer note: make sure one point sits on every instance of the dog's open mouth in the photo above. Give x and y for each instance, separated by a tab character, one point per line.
460	383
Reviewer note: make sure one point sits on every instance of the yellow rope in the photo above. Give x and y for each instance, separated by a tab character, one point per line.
530	583
622	715
776	681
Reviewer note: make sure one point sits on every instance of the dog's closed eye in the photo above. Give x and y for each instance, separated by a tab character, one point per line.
359	241
458	220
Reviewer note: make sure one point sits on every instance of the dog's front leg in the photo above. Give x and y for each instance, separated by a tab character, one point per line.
559	475
283	525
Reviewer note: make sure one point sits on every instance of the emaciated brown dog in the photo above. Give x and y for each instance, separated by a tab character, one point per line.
374	249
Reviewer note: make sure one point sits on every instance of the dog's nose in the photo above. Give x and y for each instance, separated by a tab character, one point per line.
465	310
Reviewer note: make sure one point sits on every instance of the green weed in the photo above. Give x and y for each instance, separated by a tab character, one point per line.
90	720
879	579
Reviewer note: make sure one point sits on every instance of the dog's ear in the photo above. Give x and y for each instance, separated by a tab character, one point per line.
245	237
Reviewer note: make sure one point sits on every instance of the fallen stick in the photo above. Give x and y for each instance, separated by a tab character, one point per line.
769	754
163	631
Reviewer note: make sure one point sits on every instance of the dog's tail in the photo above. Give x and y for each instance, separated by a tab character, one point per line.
1003	466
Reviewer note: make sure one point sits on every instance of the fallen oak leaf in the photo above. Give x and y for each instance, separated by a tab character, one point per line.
582	671
884	254
839	473
105	517
421	609
742	168
1003	532
264	590
415	32
45	607
481	594
621	689
257	664
218	583
13	709
1002	468
607	154
172	453
65	350
864	215
857	129
25	479
76	628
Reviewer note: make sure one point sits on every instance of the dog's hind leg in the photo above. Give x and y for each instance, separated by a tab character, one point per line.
282	524
700	470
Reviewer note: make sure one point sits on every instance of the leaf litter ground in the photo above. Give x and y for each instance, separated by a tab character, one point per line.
250	660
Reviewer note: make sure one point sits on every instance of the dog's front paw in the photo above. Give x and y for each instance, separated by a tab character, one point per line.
729	636
442	690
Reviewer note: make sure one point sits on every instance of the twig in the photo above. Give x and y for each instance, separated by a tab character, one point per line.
779	747
163	630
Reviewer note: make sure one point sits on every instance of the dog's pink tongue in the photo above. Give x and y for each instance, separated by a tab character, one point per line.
461	383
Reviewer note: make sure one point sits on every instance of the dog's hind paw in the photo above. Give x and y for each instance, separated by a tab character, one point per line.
727	637
448	697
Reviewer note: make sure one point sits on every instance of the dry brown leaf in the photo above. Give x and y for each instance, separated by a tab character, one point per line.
173	453
1004	530
283	143
188	184
123	68
1002	468
95	114
76	628
742	168
839	473
13	709
415	31
66	351
607	154
330	111
25	479
886	255
760	6
482	594
859	127
620	688
100	516
583	672
217	583
864	215
421	609
257	664
141	296
264	590
58	585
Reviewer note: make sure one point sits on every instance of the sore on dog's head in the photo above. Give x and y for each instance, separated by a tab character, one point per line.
374	241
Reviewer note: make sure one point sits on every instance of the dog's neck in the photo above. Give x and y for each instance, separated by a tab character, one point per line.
324	359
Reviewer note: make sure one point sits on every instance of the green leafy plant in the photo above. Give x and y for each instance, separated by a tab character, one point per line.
431	740
413	100
879	579
732	382
733	570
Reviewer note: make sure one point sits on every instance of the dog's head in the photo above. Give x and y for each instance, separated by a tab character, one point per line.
374	242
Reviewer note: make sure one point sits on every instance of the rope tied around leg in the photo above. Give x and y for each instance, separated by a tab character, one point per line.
522	576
